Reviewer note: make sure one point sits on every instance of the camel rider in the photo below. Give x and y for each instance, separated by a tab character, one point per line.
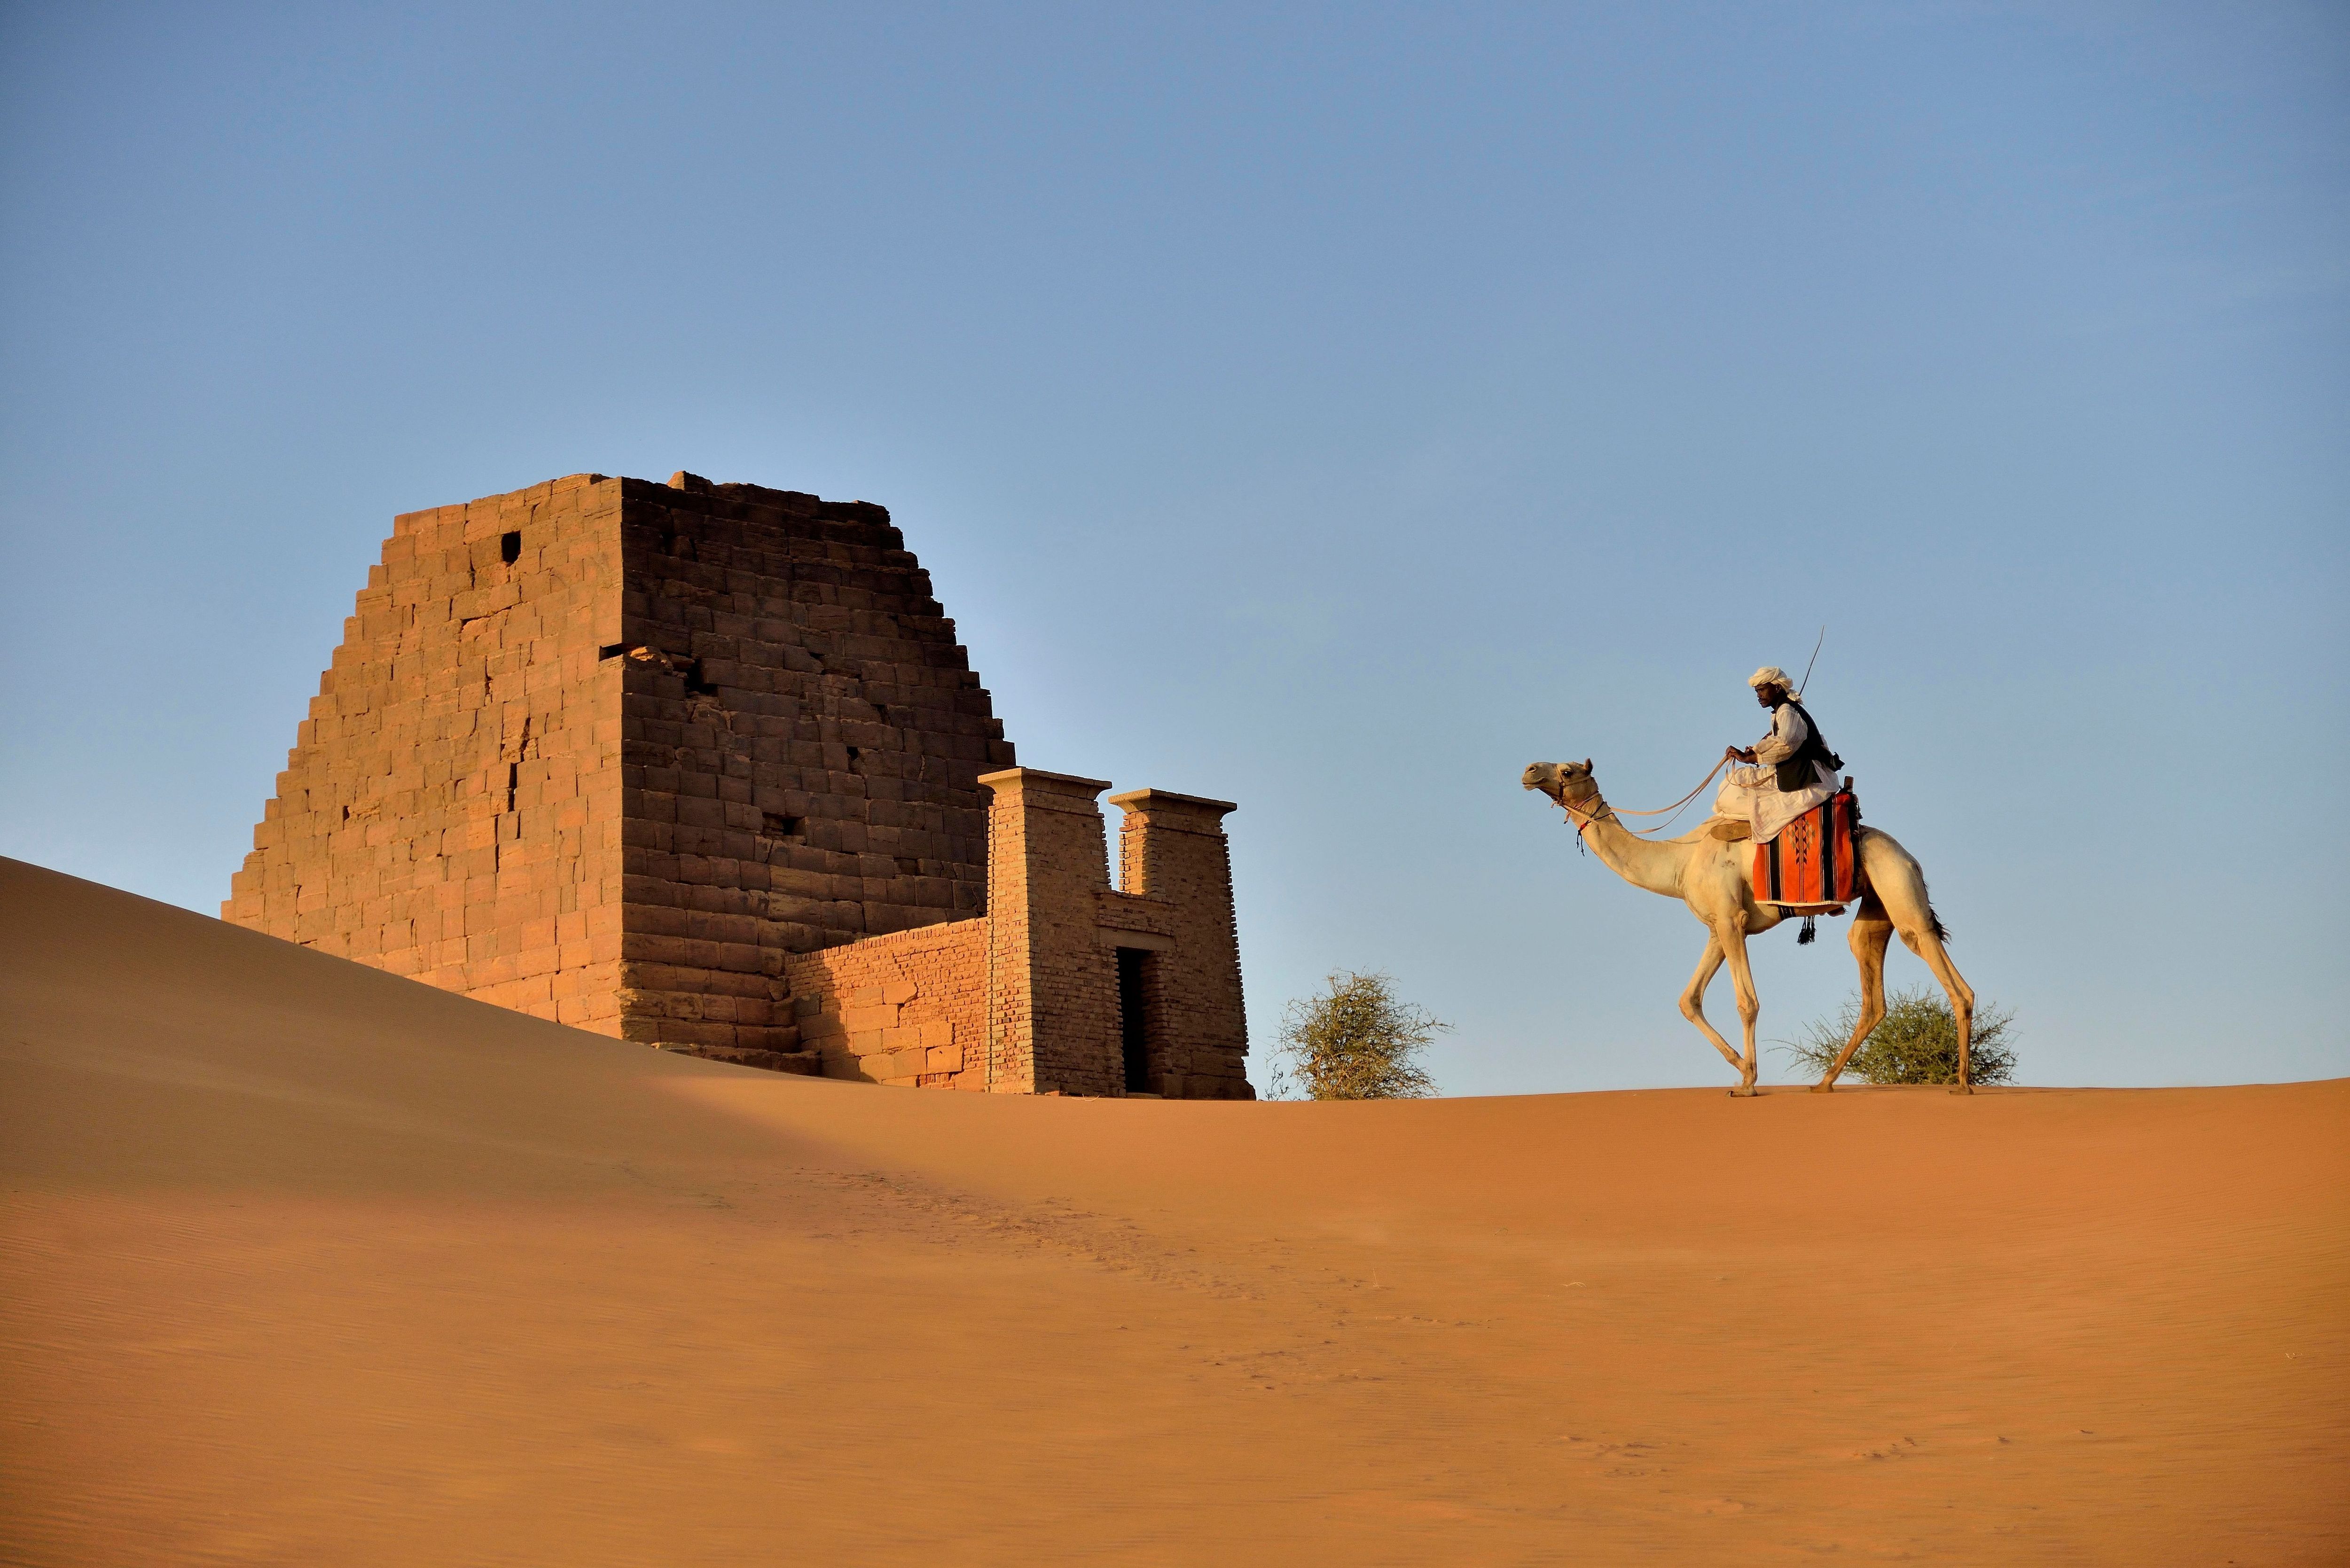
1791	769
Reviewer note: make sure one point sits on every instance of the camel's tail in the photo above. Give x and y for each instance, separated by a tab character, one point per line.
1941	931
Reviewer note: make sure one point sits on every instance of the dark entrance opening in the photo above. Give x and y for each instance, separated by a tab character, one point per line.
1134	1016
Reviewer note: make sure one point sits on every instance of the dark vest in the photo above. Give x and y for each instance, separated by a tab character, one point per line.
1798	773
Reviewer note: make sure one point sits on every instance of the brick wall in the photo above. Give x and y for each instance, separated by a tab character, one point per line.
1174	857
908	1009
1028	999
1055	994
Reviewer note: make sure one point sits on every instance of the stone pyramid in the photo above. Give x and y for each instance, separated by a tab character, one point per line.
629	756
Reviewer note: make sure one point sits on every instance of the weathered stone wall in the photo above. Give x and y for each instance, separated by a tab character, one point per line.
451	809
802	743
608	751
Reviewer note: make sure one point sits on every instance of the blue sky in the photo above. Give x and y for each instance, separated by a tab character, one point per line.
1331	409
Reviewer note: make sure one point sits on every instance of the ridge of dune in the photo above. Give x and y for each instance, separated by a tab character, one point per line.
302	1261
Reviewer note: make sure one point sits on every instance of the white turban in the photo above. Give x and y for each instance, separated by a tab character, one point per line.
1770	675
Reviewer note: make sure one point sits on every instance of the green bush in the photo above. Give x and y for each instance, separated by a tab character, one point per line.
1916	1042
1355	1042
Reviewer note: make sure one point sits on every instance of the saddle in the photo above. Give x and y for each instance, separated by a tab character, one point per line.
1811	866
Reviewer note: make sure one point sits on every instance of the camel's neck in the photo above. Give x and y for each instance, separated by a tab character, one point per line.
1656	867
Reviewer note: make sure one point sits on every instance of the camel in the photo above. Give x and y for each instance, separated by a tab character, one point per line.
1716	880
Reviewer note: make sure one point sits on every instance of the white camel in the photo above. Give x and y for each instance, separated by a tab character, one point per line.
1716	880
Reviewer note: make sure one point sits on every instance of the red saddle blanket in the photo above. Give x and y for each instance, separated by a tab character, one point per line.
1810	861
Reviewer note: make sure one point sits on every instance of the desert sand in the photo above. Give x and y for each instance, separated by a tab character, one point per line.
305	1264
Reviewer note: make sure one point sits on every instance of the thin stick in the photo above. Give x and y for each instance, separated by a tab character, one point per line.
1814	660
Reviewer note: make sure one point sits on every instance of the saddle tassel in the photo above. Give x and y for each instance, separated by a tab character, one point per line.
1811	930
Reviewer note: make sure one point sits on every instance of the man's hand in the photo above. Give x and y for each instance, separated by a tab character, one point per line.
1738	754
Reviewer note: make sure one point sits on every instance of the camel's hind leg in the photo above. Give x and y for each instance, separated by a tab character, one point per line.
1900	883
1693	1000
1925	941
1872	932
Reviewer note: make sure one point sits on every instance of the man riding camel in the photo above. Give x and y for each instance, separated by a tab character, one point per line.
1793	770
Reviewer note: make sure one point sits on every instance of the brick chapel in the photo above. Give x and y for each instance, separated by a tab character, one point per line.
703	767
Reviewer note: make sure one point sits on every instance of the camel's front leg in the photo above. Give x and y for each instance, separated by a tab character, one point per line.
1693	999
1733	940
1872	931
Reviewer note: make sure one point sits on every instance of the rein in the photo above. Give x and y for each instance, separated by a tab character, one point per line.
1583	819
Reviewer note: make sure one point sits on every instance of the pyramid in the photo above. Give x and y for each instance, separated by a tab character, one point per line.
703	766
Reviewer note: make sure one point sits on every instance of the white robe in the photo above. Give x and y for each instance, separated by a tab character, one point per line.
1752	793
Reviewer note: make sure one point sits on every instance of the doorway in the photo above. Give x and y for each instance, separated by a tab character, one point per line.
1134	976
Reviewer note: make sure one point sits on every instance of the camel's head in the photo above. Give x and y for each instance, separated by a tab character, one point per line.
1565	783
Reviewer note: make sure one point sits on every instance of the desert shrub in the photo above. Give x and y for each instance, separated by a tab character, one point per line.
1916	1042
1355	1042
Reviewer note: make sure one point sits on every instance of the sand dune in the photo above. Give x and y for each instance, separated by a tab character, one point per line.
304	1263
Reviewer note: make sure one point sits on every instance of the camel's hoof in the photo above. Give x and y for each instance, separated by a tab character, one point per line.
1744	1092
1962	1088
1824	1088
